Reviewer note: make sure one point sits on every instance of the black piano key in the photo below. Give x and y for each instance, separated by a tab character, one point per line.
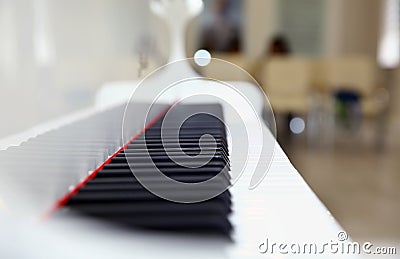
132	196
206	173
185	178
131	186
172	145
115	195
206	161
186	223
131	179
156	207
162	155
223	150
182	136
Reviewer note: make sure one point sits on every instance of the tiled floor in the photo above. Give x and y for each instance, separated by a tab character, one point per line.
359	185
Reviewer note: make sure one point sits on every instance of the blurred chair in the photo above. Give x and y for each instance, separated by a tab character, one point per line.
355	73
358	74
222	71
287	81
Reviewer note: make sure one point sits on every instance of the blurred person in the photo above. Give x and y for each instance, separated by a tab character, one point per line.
220	31
279	46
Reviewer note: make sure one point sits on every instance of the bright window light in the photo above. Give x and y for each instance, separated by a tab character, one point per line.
389	44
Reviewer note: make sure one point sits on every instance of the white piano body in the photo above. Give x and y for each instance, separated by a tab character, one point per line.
282	209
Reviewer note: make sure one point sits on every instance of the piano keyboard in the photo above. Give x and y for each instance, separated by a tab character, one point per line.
111	192
37	172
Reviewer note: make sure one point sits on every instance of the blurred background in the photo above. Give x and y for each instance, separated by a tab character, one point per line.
328	67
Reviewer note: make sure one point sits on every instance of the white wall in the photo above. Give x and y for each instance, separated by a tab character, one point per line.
55	53
352	27
259	26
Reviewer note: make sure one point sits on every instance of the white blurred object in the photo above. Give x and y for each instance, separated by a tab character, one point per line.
389	44
177	14
44	49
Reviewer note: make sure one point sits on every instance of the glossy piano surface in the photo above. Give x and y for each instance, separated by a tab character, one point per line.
282	208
